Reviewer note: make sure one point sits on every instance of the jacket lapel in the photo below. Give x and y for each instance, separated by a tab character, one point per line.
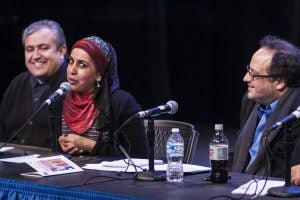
282	109
243	143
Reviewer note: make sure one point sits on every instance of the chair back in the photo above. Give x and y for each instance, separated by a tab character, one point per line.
162	133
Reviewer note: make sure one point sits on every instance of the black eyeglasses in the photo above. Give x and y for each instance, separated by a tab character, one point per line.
253	76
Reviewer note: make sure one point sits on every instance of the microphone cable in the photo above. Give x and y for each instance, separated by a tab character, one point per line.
121	152
110	179
267	156
64	88
266	161
116	140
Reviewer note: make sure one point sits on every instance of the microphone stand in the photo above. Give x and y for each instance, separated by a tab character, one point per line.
288	190
151	174
24	125
52	120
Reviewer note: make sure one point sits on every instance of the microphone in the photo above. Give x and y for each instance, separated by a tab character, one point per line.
288	119
64	88
170	107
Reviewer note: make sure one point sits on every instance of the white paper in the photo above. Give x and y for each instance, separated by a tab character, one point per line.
112	169
121	166
256	187
4	149
186	168
21	159
136	161
53	165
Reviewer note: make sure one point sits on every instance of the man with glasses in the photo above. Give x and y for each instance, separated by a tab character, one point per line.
273	79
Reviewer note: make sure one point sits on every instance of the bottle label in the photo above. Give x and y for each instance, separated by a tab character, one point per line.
175	148
218	152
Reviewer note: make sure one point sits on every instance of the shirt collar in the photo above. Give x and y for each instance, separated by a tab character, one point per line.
268	109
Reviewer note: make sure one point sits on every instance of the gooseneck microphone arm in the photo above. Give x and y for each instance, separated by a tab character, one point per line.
23	126
150	175
287	190
52	121
151	140
65	87
170	107
289	119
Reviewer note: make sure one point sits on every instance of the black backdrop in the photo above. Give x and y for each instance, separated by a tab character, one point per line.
191	51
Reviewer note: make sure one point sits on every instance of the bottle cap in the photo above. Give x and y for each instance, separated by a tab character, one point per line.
218	127
175	130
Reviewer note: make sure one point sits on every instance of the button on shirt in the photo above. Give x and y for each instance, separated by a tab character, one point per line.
38	90
263	113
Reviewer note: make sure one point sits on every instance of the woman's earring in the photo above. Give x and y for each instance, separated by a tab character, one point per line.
98	84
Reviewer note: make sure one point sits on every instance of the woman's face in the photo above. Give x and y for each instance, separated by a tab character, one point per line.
82	73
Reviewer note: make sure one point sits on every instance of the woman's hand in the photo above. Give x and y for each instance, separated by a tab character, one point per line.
295	174
75	144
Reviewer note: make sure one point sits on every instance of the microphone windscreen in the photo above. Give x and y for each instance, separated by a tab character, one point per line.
173	105
66	86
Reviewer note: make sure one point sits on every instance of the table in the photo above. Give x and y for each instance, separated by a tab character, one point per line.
106	182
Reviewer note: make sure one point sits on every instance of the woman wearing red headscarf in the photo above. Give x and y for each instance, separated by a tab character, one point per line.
96	107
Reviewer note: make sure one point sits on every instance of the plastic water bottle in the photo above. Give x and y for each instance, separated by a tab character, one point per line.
218	155
175	152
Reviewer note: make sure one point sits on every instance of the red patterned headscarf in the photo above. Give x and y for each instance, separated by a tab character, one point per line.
80	111
98	50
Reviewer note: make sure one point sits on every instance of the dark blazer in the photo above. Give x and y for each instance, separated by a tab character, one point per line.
286	105
123	106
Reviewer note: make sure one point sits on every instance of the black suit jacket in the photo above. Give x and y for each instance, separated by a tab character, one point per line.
286	105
